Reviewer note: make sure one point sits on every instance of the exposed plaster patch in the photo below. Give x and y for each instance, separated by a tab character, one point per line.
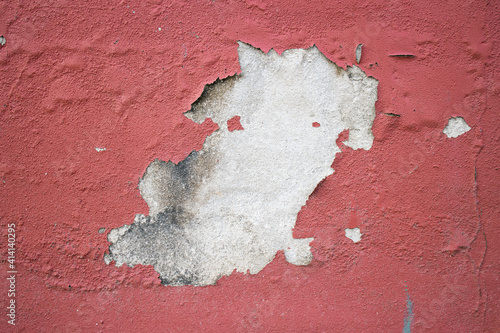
233	205
2	40
100	149
353	234
456	126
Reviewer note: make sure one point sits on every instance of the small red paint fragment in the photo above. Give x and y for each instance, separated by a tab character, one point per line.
316	124
234	124
208	126
343	136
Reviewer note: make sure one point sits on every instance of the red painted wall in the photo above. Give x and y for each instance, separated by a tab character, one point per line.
76	76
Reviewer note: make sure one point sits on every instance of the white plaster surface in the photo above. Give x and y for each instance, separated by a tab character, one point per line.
456	126
234	204
353	234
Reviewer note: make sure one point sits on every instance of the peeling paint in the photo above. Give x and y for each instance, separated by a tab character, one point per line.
233	205
456	126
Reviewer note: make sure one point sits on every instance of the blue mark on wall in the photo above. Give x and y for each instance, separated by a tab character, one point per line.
409	314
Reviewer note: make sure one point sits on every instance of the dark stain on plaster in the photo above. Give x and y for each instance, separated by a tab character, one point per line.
175	183
161	239
168	229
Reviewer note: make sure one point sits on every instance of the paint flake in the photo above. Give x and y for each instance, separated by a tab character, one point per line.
233	205
456	127
358	52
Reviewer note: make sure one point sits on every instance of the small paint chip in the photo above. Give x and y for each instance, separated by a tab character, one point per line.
358	52
2	40
353	234
316	124
101	230
100	149
456	126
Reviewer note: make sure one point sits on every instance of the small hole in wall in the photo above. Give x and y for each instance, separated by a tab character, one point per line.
316	124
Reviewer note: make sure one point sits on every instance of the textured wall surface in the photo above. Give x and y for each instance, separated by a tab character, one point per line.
404	234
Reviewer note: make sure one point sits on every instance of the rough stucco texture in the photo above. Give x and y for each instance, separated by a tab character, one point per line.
92	93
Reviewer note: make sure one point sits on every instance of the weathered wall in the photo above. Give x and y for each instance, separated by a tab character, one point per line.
92	93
